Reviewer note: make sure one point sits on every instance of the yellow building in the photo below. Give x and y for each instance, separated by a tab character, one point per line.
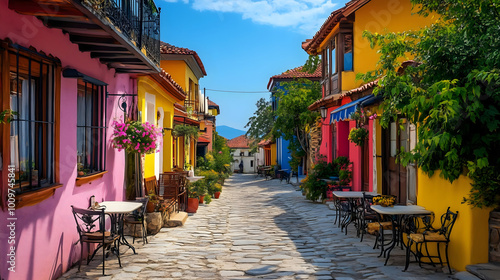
157	94
186	69
345	53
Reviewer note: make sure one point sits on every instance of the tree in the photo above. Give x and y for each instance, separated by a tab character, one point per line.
293	119
261	123
451	92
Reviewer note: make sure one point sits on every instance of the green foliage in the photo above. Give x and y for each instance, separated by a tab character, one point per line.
6	116
358	135
261	123
311	64
293	119
451	92
316	188
186	131
197	189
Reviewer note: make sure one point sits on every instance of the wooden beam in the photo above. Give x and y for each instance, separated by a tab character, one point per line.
93	40
64	24
122	60
46	9
111	55
93	48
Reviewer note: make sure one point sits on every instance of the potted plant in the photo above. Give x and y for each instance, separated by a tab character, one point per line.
217	190
135	137
153	203
358	136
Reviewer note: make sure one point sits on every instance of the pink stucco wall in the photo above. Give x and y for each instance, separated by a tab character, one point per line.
46	232
355	157
326	137
370	150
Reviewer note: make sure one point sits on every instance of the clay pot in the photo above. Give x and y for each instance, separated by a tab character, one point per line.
192	205
216	194
150	207
201	199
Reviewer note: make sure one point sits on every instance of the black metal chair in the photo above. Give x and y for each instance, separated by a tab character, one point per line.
366	214
138	217
437	236
91	229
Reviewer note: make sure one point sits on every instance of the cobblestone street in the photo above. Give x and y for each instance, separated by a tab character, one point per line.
257	230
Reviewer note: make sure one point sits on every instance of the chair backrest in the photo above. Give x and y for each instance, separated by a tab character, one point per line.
141	213
89	220
169	182
367	202
150	185
447	222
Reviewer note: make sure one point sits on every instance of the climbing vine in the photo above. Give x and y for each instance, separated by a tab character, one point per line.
451	91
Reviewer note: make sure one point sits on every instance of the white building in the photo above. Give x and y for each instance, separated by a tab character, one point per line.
242	153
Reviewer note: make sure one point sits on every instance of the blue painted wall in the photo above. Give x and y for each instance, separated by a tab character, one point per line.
283	154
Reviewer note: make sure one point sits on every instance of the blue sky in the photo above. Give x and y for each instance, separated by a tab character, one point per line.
242	43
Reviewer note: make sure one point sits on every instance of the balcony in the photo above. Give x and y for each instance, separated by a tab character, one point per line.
124	34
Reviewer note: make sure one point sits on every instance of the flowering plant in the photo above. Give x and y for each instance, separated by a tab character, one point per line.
135	137
358	135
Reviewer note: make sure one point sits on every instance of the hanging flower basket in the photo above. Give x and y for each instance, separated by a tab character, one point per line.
358	135
135	137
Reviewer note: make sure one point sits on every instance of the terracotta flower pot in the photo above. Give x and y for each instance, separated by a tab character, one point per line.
192	205
201	199
150	207
216	194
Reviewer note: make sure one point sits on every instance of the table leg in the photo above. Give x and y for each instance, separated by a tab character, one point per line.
117	226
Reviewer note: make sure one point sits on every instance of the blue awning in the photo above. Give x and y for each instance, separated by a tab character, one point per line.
345	111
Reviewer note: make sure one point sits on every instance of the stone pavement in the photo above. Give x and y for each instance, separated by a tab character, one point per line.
257	230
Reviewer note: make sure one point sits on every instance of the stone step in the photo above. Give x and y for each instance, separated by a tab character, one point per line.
177	219
464	275
485	271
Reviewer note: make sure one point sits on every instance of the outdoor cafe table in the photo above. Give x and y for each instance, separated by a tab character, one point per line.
194	178
353	197
397	212
117	210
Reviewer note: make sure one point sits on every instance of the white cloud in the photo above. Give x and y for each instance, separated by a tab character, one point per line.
305	15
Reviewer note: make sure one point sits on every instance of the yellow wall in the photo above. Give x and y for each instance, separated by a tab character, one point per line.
274	154
469	238
165	101
181	73
379	16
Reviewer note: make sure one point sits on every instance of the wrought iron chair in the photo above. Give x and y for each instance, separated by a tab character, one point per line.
91	229
138	218
437	236
151	186
170	184
183	191
366	214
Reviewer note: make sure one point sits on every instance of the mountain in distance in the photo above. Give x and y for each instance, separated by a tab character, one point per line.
229	132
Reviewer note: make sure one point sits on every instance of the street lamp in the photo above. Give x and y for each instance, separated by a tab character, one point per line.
323	110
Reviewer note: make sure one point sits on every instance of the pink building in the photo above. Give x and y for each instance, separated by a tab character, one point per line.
64	69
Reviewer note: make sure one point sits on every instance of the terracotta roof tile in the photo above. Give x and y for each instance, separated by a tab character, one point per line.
211	103
296	73
311	45
166	48
239	142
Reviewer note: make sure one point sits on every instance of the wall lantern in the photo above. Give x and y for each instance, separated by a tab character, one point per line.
323	110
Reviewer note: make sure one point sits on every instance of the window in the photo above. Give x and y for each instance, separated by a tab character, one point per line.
251	163
242	154
249	154
32	132
347	52
91	129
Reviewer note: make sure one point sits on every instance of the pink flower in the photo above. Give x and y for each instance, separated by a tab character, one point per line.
220	152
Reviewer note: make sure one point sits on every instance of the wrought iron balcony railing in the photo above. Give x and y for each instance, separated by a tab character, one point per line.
137	20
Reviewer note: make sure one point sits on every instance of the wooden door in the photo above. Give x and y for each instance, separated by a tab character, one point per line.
394	174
